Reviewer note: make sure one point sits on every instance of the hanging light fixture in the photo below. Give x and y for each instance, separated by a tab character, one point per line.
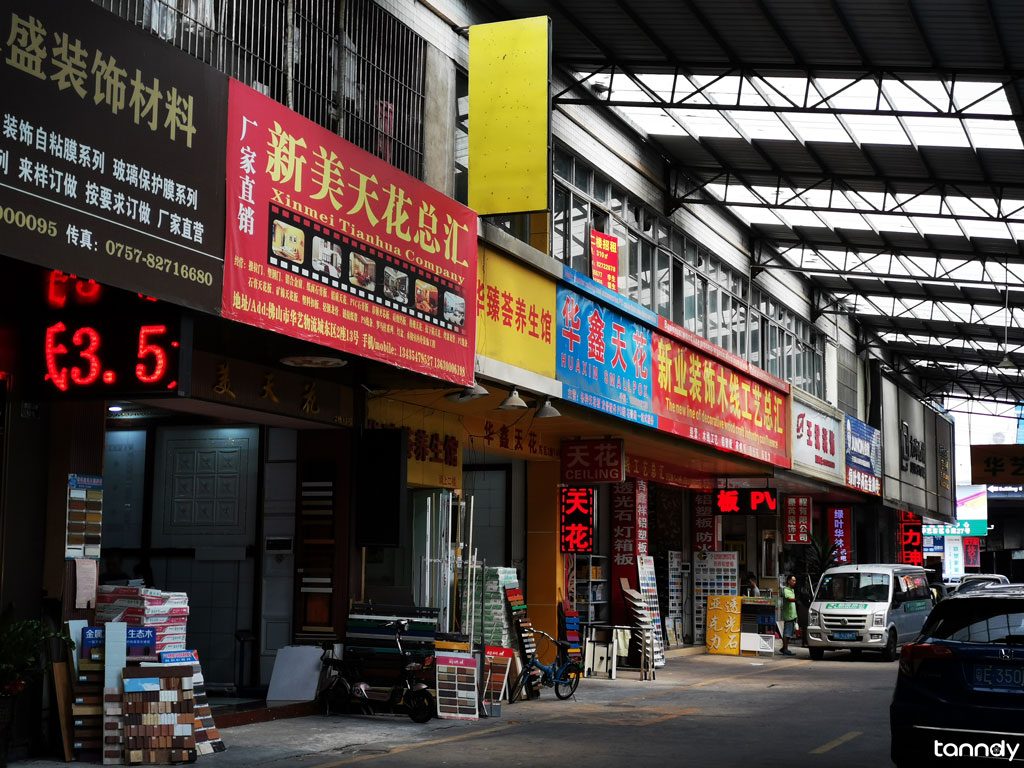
468	393
513	402
547	410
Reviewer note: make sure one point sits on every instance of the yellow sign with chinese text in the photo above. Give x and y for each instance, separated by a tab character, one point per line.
509	109
722	635
515	314
435	441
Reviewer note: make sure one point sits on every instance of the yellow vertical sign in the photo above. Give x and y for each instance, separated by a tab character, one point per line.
510	116
515	314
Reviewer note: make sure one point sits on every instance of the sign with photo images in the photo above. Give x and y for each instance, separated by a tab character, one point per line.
327	243
111	153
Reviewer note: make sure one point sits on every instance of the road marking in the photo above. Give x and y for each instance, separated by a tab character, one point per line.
758	671
836	742
406	747
670	716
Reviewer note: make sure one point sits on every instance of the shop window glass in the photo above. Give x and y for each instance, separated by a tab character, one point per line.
689	300
691	252
739	330
646	273
789	353
563	165
700	323
617	201
579	251
582	176
560	224
461	136
678	292
633	273
725	322
601	188
712	313
663	283
754	350
622	235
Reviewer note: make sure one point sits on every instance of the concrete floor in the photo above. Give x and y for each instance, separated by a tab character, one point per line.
702	710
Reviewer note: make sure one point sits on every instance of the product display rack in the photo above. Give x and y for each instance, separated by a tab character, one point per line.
592	588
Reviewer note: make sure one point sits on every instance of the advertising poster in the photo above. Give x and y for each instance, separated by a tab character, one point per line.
971	514
972	552
604	259
953	557
330	244
714	573
863	457
818	444
111	153
840	523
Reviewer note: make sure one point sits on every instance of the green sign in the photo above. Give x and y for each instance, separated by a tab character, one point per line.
962	528
846	606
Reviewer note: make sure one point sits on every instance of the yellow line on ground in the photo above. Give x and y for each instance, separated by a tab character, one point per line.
836	742
758	671
670	716
406	747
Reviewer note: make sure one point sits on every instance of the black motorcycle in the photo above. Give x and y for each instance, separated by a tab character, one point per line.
346	690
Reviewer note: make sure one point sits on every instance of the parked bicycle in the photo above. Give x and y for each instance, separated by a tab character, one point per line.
345	689
563	674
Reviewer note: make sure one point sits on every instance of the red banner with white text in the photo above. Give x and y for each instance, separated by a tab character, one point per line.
327	243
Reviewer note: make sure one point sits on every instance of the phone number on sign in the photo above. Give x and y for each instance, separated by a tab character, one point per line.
28	221
159	263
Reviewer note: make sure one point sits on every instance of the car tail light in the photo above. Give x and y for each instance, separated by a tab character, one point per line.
913	654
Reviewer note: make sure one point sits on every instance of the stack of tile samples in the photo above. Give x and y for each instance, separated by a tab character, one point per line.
159	715
166	612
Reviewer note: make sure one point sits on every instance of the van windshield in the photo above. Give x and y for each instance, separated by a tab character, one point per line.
854	588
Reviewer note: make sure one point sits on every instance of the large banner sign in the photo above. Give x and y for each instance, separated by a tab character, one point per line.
617	364
863	457
111	153
331	244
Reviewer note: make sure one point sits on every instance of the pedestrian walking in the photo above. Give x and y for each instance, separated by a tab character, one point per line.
788	614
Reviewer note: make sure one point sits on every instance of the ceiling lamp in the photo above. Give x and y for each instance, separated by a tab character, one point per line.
1006	363
513	402
547	411
467	393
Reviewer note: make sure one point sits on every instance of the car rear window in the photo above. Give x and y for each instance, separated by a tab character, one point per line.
981	620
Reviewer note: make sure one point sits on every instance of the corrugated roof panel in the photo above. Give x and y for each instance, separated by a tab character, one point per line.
960	32
886	32
1004	166
746	30
737	153
790	156
897	160
679	29
814	30
953	162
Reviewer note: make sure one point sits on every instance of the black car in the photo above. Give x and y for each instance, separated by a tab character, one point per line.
960	688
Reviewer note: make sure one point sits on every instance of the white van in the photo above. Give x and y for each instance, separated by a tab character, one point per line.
868	608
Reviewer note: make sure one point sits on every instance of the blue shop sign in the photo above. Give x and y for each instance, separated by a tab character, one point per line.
863	457
604	359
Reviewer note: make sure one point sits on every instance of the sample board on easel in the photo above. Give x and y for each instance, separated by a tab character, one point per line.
456	686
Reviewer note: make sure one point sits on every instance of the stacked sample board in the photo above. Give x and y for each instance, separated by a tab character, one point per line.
522	633
158	712
714	573
84	524
456	685
676	598
314	561
493	627
87	697
649	590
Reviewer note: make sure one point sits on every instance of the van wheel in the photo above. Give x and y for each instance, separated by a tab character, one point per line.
891	649
817	654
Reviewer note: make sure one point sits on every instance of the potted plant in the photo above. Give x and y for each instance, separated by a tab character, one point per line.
23	650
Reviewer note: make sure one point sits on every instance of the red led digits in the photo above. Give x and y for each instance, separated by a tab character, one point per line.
154	351
87	353
53	351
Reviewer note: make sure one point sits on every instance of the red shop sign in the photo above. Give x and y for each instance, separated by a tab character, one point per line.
910	544
972	552
327	243
593	461
576	517
746	501
604	259
704	524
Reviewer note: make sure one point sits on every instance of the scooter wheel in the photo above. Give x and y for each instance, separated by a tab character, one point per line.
420	705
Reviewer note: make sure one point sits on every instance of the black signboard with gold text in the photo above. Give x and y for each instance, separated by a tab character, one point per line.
112	147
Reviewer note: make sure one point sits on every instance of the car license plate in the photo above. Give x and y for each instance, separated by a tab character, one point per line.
992	677
844	635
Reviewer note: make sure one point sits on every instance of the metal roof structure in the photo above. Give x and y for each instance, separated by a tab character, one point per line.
873	146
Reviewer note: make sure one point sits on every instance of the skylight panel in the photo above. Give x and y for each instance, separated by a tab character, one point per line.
760	125
844	220
654	121
981	97
706	123
992	134
798	218
916	95
985	229
846	93
936	131
663	85
876	129
931	225
814	127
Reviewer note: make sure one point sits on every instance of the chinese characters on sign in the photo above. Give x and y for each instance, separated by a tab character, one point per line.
702	399
797	520
603	358
723	625
593	461
705	526
840	523
112	153
910	546
972	552
604	259
818	447
997	464
863	457
330	244
953	556
629	537
576	518
746	501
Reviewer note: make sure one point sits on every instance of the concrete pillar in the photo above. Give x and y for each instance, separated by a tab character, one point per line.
439	122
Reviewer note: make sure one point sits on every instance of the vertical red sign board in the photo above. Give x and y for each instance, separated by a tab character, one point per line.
910	543
576	518
629	539
972	552
840	522
604	259
797	520
703	533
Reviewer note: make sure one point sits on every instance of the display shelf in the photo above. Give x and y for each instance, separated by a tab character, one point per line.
592	587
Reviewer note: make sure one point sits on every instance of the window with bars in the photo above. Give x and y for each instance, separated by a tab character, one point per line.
363	79
847	364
